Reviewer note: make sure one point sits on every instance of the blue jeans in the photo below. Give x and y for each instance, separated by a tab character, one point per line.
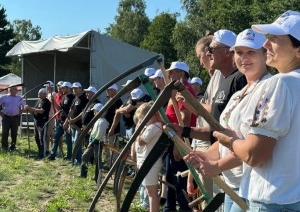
263	207
75	135
144	199
229	205
58	134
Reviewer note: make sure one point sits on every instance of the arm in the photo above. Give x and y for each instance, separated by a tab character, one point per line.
116	120
255	150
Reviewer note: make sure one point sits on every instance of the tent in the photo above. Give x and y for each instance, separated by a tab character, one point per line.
8	80
89	58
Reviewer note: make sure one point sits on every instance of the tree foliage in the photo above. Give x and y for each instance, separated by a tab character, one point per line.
6	42
24	30
159	37
131	23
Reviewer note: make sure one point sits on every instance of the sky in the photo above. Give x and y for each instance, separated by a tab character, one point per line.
69	17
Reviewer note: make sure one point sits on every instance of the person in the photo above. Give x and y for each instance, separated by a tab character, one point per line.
112	130
41	115
174	163
97	136
62	126
196	83
158	79
149	72
269	129
143	145
51	124
11	107
74	116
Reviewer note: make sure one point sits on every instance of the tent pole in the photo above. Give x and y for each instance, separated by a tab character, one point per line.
54	67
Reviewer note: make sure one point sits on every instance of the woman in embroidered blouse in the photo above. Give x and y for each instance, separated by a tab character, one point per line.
269	131
250	59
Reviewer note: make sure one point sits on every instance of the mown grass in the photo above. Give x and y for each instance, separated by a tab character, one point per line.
33	185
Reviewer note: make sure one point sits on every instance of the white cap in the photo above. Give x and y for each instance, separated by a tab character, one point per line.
60	83
179	65
249	38
91	89
225	37
127	82
136	94
66	84
97	107
158	73
43	90
49	84
149	72
287	24
196	80
114	86
76	85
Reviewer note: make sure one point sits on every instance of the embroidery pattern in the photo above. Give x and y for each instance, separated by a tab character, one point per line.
261	111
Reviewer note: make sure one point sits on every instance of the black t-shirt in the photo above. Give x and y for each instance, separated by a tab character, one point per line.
145	98
89	114
128	121
65	105
231	84
42	104
77	107
110	114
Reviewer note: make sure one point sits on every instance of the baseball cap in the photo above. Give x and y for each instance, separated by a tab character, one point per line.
97	107
66	84
114	86
249	38
43	90
49	84
196	80
225	37
158	73
91	89
60	83
136	94
179	65
149	72
287	24
127	82
76	85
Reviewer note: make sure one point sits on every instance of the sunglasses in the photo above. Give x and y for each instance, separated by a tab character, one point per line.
212	49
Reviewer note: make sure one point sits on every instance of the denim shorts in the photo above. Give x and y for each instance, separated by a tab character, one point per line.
255	206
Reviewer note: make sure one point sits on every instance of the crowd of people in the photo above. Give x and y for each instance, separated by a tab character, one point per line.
259	112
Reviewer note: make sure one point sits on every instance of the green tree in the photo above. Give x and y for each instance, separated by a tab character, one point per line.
131	23
160	36
23	30
6	42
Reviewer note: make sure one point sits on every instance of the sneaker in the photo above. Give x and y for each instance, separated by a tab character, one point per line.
67	158
12	148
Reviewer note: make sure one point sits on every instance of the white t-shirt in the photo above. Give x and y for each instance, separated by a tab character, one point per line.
231	118
274	111
150	135
51	112
99	129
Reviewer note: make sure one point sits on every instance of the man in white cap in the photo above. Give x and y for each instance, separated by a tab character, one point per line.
51	124
113	128
62	124
41	115
158	79
196	83
11	107
178	71
74	116
90	92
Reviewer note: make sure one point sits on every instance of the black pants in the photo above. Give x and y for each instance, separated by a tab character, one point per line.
10	123
40	135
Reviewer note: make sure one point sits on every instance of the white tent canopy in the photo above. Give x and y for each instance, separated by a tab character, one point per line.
89	58
9	79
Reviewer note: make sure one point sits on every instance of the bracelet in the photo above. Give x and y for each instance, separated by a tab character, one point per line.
232	140
186	132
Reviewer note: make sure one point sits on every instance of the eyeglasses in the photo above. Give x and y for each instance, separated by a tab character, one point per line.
212	49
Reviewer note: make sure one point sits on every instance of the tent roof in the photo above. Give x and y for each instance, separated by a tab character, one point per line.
10	79
61	43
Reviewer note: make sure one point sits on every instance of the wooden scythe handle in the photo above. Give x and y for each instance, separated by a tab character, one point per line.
217	180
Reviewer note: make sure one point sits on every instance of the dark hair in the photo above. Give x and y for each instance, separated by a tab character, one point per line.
295	42
203	42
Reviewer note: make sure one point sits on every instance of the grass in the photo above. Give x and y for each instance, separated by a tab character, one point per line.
33	185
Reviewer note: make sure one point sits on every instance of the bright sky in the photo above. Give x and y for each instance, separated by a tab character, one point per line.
68	17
